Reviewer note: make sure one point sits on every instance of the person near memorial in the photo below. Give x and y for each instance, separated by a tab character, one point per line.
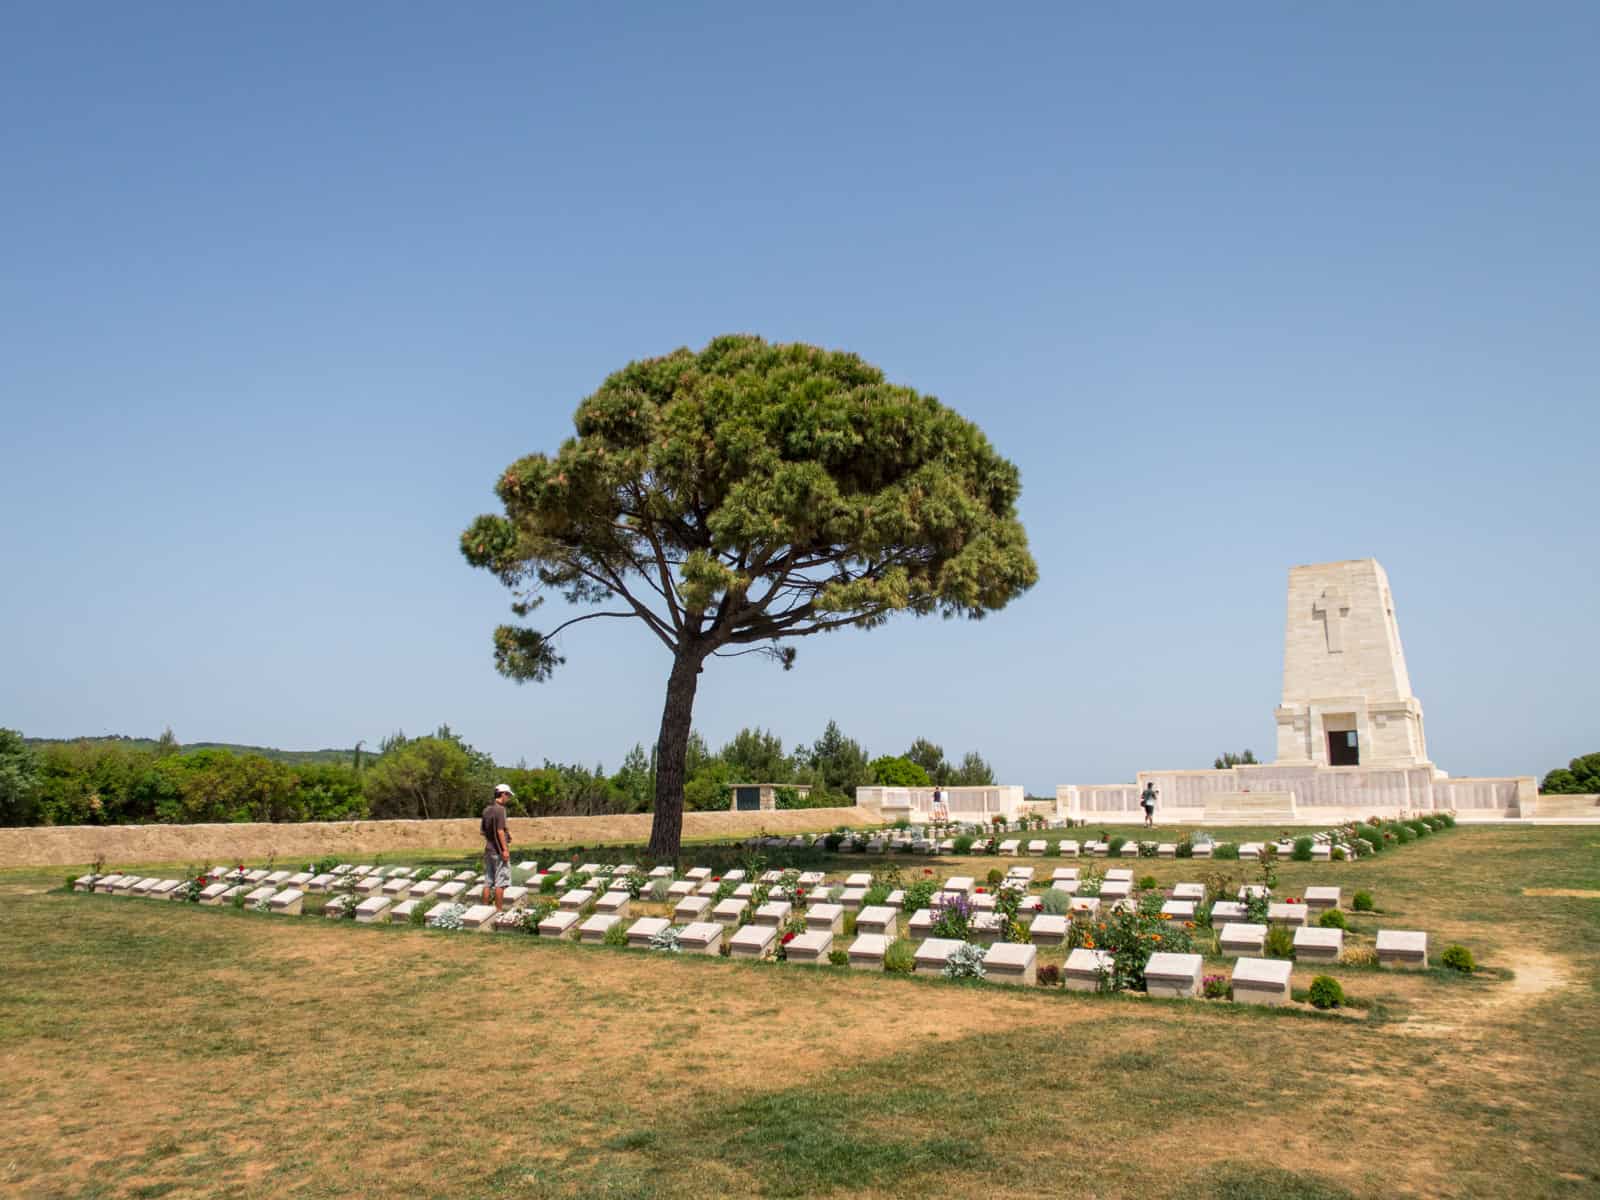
1147	801
496	847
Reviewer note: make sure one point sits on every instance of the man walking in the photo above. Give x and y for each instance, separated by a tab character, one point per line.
496	847
1147	801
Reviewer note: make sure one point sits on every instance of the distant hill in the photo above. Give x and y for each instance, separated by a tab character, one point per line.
287	756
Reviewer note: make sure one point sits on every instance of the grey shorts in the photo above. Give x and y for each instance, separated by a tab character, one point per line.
496	870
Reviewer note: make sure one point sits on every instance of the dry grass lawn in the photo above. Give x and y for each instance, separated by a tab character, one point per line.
165	1050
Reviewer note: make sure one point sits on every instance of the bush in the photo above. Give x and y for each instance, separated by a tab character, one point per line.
839	958
1402	834
1458	958
1449	820
1371	836
952	917
1337	854
659	890
963	844
1214	987
1326	992
1361	902
1055	902
1228	851
995	877
1185	847
1048	975
1148	849
1359	956
832	843
1114	846
1420	828
1333	919
965	962
1280	942
900	958
1302	849
1147	882
919	894
617	935
876	894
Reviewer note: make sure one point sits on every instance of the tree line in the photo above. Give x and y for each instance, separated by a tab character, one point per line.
113	781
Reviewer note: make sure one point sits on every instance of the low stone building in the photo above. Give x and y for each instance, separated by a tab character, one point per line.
761	797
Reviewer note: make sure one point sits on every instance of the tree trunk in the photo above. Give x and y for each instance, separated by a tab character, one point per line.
672	746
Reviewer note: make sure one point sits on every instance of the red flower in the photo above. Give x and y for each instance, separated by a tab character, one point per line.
787	938
927	870
716	879
980	891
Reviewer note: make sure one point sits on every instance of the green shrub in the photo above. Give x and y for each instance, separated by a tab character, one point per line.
1147	882
832	843
547	884
1148	849
900	958
1302	849
1337	854
919	894
876	894
1458	958
1361	902
995	877
1055	902
1280	942
839	958
1185	847
963	844
1215	987
617	935
1326	992
1333	919
1402	834
1449	820
1420	828
1226	850
1371	836
1114	846
1048	975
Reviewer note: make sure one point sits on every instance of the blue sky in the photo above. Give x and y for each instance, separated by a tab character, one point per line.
282	289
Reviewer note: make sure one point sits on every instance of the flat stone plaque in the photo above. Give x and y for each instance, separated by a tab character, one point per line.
645	928
701	937
1011	962
1173	975
1084	969
753	941
594	930
563	923
1313	944
1261	981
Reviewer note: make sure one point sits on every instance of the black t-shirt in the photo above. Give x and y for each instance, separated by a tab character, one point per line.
494	821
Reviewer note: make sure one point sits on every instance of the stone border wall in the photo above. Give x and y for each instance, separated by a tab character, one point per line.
206	845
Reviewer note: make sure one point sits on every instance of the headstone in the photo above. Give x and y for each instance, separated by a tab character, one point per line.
1293	915
852	898
773	912
729	912
645	928
84	883
1320	899
364	886
1401	948
1313	944
697	874
867	951
959	883
391	887
1237	937
562	923
258	876
1085	969
613	904
702	937
1130	850
1203	849
921	923
419	891
1010	846
1068	848
300	879
374	910
166	889
574	900
1115	889
1173	975
593	931
1064	875
660	872
1011	962
1262	980
399	914
514	897
879	919
826	916
260	895
680	889
1049	929
1037	846
527	866
709	888
753	941
343	869
858	880
336	908
810	948
692	909
1228	910
212	896
932	955
1167	850
449	893
1321	853
1119	875
1022	875
1178	910
744	891
1189	891
560	868
1084	906
1254	891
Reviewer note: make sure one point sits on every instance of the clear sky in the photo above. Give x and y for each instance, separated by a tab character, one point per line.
284	287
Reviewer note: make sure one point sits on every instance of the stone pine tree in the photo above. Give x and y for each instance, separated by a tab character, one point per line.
742	497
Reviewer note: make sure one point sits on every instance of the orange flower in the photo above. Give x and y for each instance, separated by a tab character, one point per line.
1088	943
1155	937
1166	916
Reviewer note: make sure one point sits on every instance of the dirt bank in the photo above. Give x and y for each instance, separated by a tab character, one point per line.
74	845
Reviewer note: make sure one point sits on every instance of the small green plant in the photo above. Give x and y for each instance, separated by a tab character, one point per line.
617	935
878	893
1214	987
1458	958
1147	882
1337	854
838	958
658	891
1185	847
1326	992
1302	849
1449	820
963	844
1114	846
1333	919
900	958
995	877
1226	851
1055	902
1280	942
1370	835
1359	956
965	962
1403	833
1361	902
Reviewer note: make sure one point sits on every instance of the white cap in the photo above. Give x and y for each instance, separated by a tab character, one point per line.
503	787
